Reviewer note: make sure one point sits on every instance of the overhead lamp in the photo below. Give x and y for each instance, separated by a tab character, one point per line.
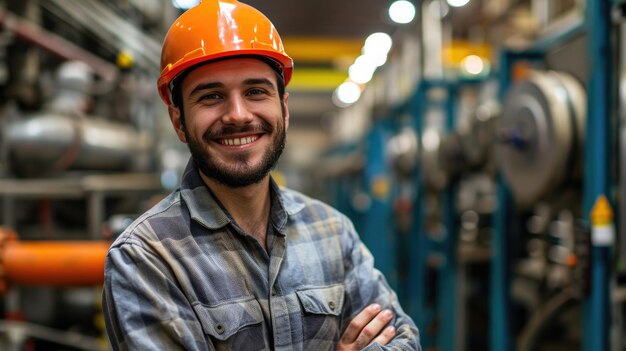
402	11
348	93
362	70
458	3
377	44
473	64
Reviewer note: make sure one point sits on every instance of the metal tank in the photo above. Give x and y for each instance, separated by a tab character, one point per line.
48	143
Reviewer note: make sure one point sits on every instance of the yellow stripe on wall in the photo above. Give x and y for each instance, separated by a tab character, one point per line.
316	79
311	49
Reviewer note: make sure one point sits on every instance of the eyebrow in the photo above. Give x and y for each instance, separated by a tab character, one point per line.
205	86
259	81
212	85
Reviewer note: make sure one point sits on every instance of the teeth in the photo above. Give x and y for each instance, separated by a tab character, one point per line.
238	141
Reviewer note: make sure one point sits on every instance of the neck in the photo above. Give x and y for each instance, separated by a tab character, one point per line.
249	206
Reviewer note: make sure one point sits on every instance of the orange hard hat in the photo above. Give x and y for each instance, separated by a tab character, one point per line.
216	29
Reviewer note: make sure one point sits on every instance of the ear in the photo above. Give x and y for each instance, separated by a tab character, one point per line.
174	113
285	98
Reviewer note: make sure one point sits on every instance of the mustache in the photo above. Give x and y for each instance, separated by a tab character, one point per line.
224	131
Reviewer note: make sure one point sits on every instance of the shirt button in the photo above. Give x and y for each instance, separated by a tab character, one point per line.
220	328
332	305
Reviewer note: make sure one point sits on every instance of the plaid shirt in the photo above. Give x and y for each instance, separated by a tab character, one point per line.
184	276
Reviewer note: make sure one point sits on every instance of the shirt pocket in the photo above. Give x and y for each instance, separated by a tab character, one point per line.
234	325
322	313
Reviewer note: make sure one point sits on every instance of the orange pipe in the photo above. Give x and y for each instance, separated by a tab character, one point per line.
53	263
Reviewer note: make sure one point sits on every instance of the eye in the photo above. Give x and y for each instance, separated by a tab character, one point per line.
256	91
210	96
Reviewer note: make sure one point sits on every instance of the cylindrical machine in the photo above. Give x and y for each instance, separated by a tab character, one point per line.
51	142
479	143
452	154
403	151
433	174
541	134
50	263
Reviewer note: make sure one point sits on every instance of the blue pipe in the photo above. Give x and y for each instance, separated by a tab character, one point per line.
418	243
596	311
500	270
376	232
448	276
572	31
422	246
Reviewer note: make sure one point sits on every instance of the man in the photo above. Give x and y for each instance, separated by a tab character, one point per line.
230	260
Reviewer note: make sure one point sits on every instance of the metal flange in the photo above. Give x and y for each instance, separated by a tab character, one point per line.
480	141
403	150
433	174
541	134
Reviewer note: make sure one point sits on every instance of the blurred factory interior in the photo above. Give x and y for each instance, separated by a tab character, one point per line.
479	146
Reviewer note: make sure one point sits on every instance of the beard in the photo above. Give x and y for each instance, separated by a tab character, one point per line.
239	172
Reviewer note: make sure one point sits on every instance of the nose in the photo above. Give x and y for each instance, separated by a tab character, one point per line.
238	112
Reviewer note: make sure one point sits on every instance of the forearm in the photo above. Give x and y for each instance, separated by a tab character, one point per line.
366	285
407	334
406	339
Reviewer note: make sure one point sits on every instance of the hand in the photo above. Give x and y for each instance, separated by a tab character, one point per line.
367	327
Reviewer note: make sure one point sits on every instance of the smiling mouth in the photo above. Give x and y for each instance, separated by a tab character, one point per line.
238	141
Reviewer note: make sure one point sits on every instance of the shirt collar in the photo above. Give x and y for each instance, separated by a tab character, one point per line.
202	205
206	210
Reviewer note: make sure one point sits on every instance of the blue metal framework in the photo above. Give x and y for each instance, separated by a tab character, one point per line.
424	245
598	156
373	221
419	245
377	231
449	273
500	312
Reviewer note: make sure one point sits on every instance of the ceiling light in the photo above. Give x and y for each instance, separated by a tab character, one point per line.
348	93
362	70
377	44
458	3
372	59
402	11
473	64
185	4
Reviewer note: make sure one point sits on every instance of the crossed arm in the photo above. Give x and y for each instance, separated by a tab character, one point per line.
368	327
379	322
375	320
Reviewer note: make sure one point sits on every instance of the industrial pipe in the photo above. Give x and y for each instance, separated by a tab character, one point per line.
50	142
55	44
50	263
544	316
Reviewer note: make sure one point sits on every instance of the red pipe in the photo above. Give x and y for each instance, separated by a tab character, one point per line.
55	44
